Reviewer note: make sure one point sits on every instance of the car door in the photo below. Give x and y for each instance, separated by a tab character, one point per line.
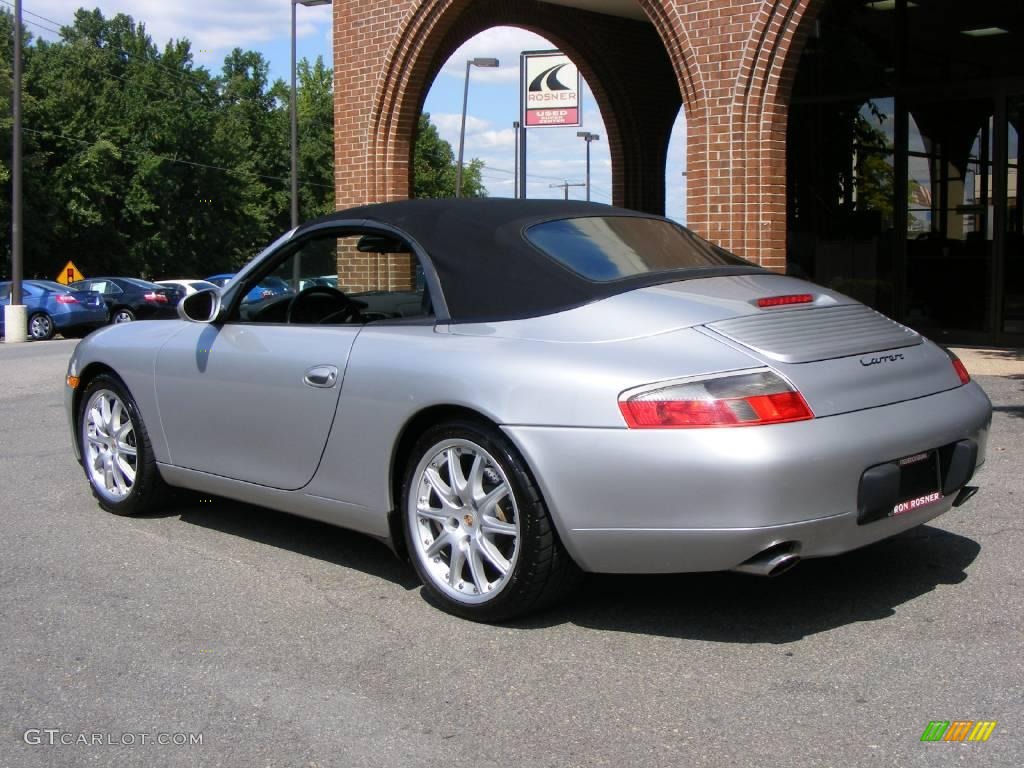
253	397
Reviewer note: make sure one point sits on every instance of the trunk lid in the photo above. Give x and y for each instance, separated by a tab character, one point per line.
841	355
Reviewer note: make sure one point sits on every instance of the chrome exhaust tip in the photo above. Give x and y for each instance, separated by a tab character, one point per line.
773	561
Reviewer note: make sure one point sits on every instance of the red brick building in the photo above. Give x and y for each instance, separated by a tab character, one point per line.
804	118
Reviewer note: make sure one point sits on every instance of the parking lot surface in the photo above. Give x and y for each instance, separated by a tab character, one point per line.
285	642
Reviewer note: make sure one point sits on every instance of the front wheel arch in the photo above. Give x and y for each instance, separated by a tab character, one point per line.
85	378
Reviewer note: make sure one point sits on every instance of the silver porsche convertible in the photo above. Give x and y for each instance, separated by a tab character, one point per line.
512	393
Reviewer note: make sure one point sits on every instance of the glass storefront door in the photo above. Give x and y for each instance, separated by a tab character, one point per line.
903	160
949	233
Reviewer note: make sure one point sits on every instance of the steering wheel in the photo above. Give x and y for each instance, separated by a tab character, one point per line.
340	307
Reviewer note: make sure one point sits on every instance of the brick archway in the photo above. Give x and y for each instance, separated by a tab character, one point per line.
729	62
374	140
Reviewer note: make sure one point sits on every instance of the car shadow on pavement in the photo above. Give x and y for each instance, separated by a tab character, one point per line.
818	595
310	538
1015	411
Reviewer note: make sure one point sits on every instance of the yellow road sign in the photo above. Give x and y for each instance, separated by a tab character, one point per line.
69	274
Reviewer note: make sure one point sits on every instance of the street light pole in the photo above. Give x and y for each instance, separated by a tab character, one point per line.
15	313
515	127
588	137
294	113
462	130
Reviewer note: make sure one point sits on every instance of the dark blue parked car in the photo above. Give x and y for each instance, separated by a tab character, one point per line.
54	308
129	298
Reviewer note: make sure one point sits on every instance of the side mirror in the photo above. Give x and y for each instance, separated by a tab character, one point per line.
201	307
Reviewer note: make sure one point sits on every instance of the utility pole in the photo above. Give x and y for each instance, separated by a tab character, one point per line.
15	313
565	187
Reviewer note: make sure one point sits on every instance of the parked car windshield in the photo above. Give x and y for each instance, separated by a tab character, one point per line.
606	248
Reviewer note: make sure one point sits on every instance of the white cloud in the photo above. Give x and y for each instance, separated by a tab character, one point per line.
502	43
503	139
448	124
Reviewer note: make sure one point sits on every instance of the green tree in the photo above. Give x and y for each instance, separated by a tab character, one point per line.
434	166
315	101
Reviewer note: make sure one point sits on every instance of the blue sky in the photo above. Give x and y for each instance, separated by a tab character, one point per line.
555	154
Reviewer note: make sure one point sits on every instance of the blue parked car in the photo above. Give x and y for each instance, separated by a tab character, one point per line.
54	308
268	288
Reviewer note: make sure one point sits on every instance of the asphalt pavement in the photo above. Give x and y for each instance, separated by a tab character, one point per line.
284	642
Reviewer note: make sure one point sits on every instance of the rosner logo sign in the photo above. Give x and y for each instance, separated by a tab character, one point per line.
551	90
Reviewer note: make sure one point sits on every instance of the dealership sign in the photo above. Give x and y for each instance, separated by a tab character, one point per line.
551	90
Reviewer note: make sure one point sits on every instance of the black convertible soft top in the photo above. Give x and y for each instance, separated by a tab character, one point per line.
487	268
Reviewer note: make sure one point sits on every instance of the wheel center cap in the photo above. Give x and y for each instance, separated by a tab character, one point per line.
468	520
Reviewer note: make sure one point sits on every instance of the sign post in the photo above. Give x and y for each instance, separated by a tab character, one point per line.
549	97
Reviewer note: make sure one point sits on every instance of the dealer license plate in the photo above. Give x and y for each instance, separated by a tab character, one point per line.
920	482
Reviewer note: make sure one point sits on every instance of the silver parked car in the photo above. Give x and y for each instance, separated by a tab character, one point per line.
556	388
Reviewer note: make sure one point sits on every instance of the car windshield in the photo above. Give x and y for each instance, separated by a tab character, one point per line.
142	283
606	248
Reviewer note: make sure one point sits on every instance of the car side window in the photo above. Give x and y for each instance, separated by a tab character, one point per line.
338	278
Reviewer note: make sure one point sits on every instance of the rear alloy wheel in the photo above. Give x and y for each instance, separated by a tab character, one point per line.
480	536
40	327
116	453
123	315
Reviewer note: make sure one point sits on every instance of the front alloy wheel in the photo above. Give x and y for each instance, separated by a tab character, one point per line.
116	453
110	445
479	535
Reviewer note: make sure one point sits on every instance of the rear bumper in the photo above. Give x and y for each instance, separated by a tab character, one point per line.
663	501
80	317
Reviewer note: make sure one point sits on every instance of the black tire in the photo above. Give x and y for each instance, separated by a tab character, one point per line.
125	315
148	492
541	570
40	327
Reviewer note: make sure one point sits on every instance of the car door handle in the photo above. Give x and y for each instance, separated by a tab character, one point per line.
323	376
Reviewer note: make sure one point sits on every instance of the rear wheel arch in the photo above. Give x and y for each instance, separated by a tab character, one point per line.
407	438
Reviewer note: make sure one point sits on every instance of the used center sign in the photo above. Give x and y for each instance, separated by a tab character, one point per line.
551	90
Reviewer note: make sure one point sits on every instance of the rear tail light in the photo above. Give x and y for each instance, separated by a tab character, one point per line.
157	297
66	298
959	367
735	400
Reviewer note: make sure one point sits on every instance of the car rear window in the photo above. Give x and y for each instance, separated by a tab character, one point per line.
142	283
606	248
52	286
